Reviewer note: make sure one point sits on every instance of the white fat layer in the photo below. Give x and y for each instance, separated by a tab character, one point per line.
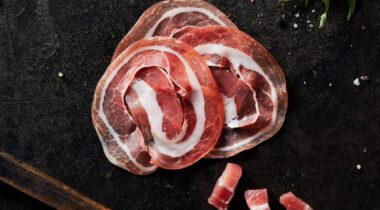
209	63
223	184
239	58
148	100
231	116
307	207
246	140
114	161
164	146
222	180
261	207
123	146
113	133
111	158
230	113
175	11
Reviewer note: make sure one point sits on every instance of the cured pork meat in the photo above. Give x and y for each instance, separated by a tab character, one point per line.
292	202
173	18
157	105
257	199
251	82
225	186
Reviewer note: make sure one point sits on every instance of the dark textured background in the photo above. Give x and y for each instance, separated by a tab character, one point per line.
45	120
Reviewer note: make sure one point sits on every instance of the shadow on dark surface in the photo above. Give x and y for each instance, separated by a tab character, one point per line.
11	198
45	119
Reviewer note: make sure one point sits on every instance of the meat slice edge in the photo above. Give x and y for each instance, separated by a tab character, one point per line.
166	18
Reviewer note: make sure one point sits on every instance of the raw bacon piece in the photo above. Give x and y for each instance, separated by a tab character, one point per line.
252	84
292	202
157	105
173	18
225	186
257	199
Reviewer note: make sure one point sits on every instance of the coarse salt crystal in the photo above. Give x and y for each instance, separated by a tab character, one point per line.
364	78
356	82
358	166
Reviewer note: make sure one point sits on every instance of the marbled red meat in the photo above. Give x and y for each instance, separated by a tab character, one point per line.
257	199
157	105
173	18
292	202
225	186
251	82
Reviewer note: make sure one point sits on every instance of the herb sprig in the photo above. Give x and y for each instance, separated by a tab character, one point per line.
323	17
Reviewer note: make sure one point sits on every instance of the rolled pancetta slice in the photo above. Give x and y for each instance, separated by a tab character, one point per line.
251	82
157	105
173	18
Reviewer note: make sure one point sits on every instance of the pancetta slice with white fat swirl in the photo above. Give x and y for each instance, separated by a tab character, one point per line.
157	105
251	82
172	18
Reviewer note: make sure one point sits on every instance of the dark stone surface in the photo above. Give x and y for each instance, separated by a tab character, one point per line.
16	200
45	120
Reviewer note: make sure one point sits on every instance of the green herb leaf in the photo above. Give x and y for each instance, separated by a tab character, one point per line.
306	3
322	20
351	10
323	17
